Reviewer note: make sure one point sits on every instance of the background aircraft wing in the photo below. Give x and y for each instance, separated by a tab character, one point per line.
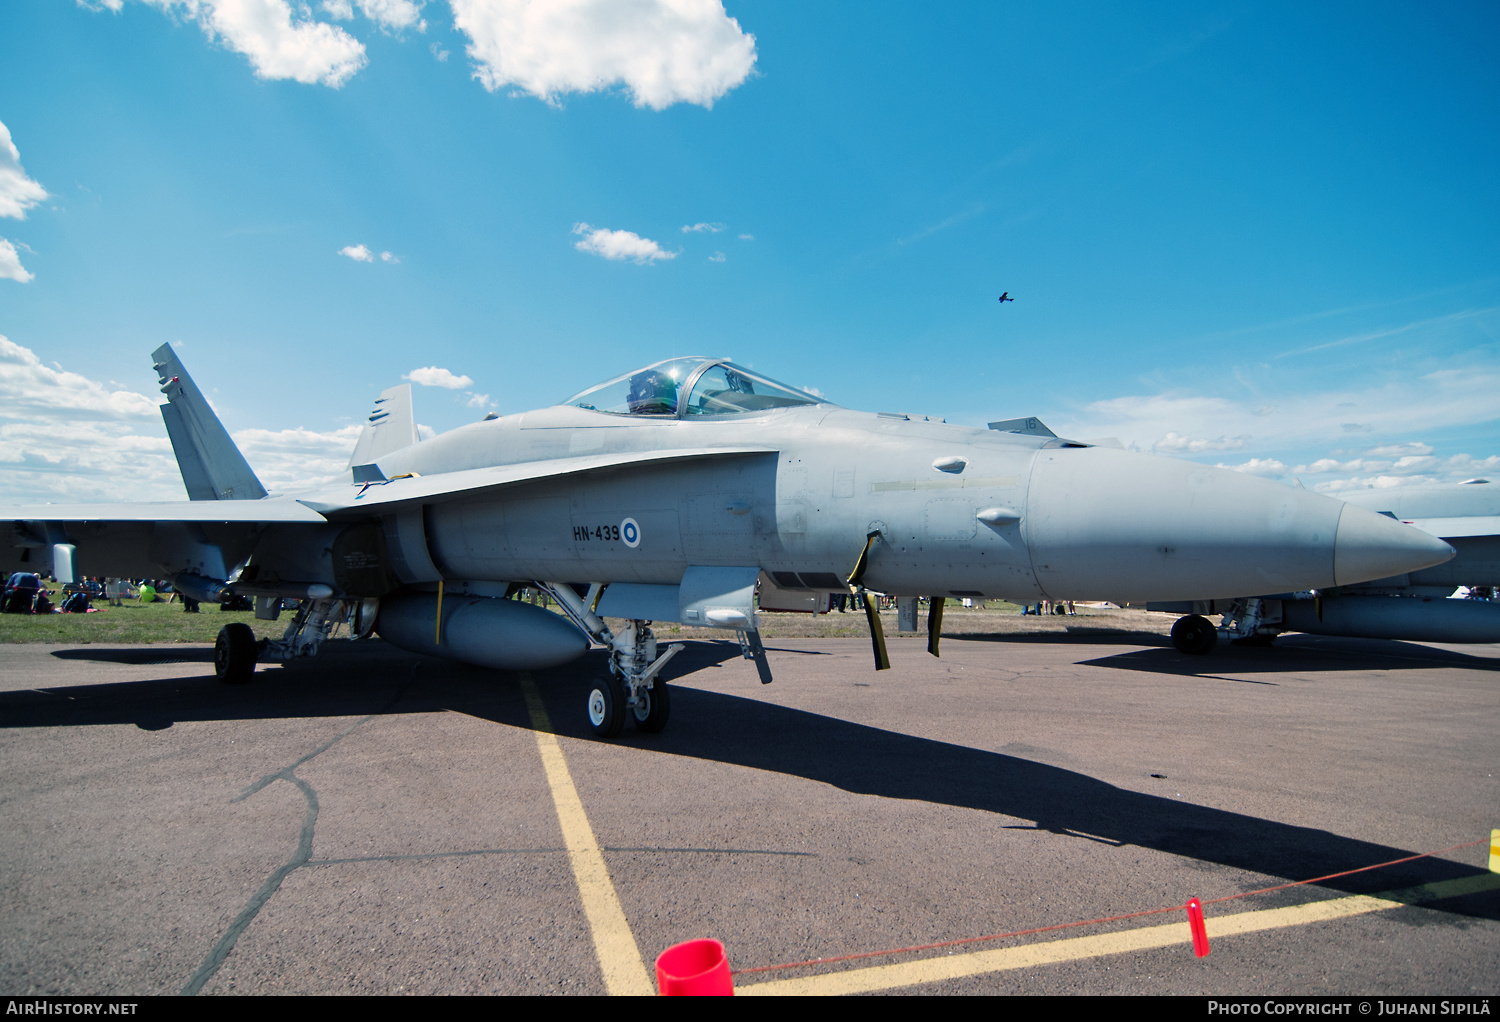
1455	528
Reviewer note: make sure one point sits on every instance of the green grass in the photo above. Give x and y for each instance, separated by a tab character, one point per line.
166	622
133	622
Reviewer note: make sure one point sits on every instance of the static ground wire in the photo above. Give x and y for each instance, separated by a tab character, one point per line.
1104	919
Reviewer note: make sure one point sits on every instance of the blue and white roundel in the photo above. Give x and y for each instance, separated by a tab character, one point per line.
630	532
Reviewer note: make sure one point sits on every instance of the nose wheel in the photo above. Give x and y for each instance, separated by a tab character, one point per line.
607	707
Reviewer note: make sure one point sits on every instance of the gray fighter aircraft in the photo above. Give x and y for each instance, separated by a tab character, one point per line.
669	494
1413	605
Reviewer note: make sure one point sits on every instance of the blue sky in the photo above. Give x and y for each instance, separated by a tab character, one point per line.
1257	235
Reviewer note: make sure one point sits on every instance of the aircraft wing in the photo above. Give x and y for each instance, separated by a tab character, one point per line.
277	509
469	482
1458	528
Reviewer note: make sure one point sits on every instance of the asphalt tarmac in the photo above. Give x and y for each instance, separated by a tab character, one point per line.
378	822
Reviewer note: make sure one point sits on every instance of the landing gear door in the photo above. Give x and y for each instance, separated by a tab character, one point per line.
718	597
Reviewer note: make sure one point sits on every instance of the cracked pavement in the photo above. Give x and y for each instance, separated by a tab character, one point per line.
379	822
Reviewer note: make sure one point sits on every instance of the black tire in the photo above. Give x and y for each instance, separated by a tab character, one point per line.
653	708
1195	635
607	707
235	654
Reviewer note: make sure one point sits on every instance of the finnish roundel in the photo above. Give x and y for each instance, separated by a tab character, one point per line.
630	532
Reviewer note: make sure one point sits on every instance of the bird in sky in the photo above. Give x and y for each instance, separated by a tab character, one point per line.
1006	297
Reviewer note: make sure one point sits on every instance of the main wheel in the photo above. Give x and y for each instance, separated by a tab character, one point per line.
1195	635
235	653
652	707
607	707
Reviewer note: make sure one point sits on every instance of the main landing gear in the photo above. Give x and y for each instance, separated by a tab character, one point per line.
1246	623
633	687
237	650
1195	635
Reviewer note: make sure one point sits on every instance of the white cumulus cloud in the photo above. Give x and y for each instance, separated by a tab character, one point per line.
618	245
363	254
433	376
717	257
394	15
1259	467
10	264
65	437
280	41
294	459
702	227
1175	443
663	51
1405	450
18	193
35	391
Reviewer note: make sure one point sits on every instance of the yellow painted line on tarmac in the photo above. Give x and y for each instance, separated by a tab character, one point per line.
619	957
1495	851
933	970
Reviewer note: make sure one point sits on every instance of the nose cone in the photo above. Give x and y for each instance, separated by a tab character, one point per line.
1118	525
1371	546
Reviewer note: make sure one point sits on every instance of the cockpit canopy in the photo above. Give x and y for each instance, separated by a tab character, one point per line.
690	386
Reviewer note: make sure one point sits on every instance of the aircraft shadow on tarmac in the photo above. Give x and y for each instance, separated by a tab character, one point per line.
1078	635
1298	654
370	680
137	656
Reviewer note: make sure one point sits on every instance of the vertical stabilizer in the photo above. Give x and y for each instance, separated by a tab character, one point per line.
390	427
212	466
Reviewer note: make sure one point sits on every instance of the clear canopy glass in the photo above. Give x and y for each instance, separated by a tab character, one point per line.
690	386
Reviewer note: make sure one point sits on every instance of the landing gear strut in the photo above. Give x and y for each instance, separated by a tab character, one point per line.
633	660
653	706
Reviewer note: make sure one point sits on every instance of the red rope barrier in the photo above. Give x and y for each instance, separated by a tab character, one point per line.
1104	919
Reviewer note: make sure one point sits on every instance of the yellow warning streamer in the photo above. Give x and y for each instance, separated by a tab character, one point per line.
934	622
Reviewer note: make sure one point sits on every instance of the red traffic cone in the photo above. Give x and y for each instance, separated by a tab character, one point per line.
696	968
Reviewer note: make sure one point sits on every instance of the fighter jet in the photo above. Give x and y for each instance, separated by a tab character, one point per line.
1413	605
669	494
